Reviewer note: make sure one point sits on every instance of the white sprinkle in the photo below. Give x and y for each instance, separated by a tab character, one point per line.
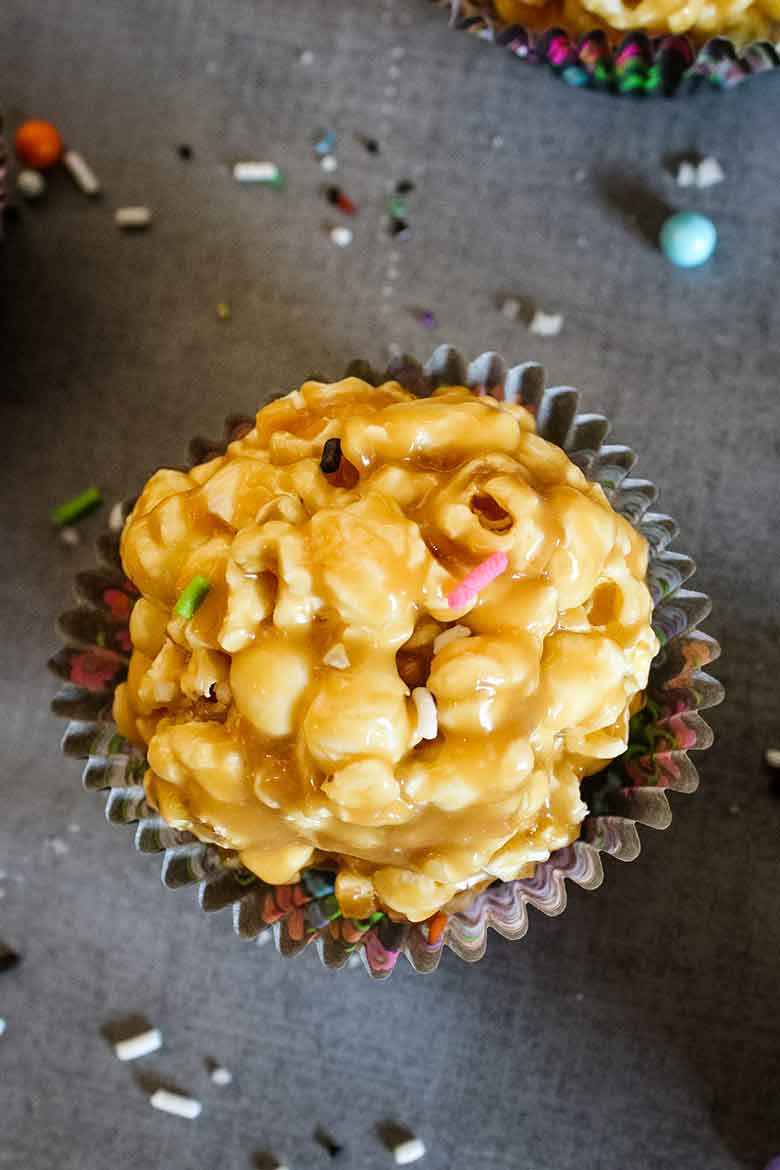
394	72
2	1025
81	173
497	142
58	846
70	537
409	1151
397	52
306	57
221	1076
580	175
31	184
132	218
686	175
734	809
329	163
772	757
116	517
546	324
451	635
140	1045
74	828
256	172
510	309
709	172
427	719
582	241
337	657
342	236
181	1106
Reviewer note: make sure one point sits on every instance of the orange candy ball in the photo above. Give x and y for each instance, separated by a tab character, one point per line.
38	144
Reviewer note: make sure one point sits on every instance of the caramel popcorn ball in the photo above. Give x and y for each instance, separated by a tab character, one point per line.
324	704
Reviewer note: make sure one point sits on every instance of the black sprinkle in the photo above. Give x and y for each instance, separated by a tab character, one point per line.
328	1143
8	958
371	145
331	456
333	194
184	151
404	187
400	228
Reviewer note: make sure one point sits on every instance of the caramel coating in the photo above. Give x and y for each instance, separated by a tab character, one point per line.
741	20
279	719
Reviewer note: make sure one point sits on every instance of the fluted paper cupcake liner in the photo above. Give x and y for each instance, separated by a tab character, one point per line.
633	63
631	790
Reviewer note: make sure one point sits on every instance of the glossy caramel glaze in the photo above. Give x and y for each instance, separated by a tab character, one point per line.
285	719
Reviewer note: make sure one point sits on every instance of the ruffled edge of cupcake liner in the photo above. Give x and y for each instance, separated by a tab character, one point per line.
631	790
625	64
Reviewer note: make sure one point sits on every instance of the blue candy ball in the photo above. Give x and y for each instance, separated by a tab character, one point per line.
688	239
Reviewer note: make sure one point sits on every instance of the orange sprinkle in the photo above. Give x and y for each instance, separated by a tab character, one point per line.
436	927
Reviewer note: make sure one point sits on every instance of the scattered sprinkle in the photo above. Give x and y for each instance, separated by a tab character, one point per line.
192	597
221	1076
735	809
772	757
79	506
58	847
688	239
2	1025
686	174
223	311
706	173
371	145
330	459
38	144
400	229
176	1103
74	828
467	589
496	142
427	319
337	657
116	517
404	187
580	175
70	537
546	324
341	236
337	197
306	57
329	163
8	958
81	172
409	1151
132	219
258	172
184	151
396	207
329	1144
326	143
31	184
453	634
510	308
141	1045
427	718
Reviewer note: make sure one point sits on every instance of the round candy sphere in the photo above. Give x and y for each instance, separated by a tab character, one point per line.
38	144
688	239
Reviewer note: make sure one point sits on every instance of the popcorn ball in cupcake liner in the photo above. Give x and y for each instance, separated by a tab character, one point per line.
655	47
356	710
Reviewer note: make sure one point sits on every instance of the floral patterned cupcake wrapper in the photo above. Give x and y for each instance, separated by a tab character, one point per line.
630	791
635	63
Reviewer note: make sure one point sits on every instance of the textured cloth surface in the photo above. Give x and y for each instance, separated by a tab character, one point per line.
641	1028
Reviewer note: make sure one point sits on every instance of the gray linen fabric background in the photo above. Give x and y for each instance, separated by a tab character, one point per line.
640	1029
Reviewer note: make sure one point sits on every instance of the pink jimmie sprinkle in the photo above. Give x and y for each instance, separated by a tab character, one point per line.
477	579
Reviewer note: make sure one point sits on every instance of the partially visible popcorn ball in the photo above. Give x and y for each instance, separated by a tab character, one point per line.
279	719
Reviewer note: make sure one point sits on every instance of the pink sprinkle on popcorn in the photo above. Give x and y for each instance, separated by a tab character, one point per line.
472	584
